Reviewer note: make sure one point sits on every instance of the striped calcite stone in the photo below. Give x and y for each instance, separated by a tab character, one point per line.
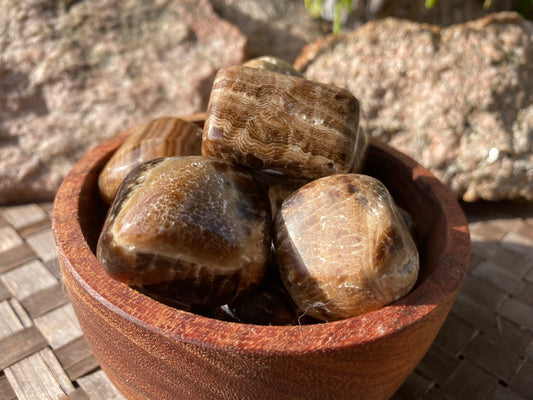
361	146
195	228
343	248
280	188
267	120
161	137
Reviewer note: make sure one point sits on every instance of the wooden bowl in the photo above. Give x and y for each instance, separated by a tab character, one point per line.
152	351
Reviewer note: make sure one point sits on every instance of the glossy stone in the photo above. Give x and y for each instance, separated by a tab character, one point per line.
279	191
268	304
273	64
343	248
267	120
361	146
161	137
195	228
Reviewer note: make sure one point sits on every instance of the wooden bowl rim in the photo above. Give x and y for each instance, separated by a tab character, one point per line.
176	325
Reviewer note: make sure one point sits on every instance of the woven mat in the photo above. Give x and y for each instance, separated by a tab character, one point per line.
483	351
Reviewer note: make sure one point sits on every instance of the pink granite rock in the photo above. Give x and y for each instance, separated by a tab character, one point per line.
458	99
74	73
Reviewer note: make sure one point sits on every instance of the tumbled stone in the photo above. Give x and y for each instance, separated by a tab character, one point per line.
195	228
343	248
361	146
161	137
267	120
280	190
273	64
268	304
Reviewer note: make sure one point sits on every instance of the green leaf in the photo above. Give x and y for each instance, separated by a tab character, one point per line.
340	5
337	18
314	7
430	4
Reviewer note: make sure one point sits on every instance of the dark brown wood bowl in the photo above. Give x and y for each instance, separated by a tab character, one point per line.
153	351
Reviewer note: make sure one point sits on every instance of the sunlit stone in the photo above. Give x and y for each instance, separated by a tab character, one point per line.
196	228
161	137
273	64
343	248
266	120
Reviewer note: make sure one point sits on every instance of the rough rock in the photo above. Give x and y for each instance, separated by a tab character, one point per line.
459	99
280	28
74	73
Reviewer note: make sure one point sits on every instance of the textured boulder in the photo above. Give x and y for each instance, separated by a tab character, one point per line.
74	73
458	99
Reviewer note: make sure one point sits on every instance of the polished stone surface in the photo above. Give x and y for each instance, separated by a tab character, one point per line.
161	137
343	248
267	120
195	227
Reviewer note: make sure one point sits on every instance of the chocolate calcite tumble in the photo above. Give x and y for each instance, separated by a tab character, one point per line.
267	120
268	304
161	137
194	228
343	248
361	146
273	64
279	191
